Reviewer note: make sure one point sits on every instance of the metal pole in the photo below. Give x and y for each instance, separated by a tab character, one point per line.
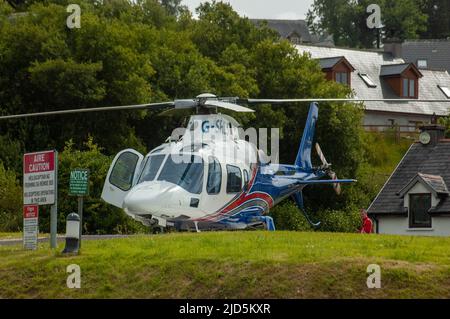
54	210
80	213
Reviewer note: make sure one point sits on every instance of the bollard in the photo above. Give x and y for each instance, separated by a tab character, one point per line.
72	234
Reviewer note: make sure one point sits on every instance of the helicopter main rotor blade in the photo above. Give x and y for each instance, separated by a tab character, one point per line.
282	101
185	104
89	110
228	106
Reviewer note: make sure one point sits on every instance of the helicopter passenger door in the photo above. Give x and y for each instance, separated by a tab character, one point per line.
122	176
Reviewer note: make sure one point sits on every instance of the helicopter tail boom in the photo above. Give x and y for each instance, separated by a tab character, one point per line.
303	159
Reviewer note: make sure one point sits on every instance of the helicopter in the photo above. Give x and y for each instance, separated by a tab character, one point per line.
210	178
192	183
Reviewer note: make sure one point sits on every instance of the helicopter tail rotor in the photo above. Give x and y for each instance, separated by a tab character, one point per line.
327	167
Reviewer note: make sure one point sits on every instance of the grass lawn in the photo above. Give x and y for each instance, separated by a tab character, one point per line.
234	265
10	235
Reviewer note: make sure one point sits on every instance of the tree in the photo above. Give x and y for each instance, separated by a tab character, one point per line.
346	20
438	24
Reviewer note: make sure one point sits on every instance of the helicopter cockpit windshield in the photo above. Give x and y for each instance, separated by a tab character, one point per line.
151	168
185	171
187	174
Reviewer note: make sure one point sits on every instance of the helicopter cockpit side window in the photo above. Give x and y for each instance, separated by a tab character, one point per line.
151	168
186	174
234	179
214	176
246	179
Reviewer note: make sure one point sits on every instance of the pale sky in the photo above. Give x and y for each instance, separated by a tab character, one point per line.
265	9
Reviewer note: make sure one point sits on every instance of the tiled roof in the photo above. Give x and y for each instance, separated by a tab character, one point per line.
393	69
286	28
328	63
436	52
429	160
435	183
370	62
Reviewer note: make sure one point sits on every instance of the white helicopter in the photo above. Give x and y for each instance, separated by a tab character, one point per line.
211	178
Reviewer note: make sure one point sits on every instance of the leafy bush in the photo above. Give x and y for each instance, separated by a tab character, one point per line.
10	201
288	217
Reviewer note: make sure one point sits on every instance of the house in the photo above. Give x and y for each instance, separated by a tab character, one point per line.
380	75
416	199
296	31
425	54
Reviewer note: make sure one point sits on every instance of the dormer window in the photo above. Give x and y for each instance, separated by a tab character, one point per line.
409	88
402	78
419	205
337	69
342	77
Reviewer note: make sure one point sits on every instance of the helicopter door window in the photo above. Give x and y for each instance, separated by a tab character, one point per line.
123	172
187	175
214	177
234	179
151	168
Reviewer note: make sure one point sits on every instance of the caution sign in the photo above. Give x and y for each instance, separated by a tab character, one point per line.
30	226
79	182
39	178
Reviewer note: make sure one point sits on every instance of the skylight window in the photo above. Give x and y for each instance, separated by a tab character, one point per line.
445	90
422	64
367	80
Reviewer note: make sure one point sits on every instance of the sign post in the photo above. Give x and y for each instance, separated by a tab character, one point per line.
79	186
40	185
30	226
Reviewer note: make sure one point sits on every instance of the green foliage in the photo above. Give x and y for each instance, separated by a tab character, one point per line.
346	20
10	201
288	217
446	122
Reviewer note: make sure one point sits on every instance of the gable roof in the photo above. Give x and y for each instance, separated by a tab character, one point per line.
370	62
426	159
398	69
329	63
434	183
436	52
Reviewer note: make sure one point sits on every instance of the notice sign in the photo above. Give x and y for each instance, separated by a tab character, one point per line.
39	178
79	182
30	226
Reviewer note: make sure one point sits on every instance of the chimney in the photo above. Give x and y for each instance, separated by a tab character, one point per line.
436	131
393	46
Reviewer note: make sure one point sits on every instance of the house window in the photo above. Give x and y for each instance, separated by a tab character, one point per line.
419	204
342	77
409	88
422	64
445	90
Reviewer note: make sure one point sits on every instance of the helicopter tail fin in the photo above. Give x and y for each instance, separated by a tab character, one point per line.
304	153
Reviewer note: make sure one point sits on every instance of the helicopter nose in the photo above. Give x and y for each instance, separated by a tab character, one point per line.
140	201
148	199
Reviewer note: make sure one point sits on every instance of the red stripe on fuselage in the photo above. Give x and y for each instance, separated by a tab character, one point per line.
241	199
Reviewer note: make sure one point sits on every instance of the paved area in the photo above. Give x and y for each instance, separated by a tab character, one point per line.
18	241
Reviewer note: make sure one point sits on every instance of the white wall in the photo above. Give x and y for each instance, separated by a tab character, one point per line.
399	225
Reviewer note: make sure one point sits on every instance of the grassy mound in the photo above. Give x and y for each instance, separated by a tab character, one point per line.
234	265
